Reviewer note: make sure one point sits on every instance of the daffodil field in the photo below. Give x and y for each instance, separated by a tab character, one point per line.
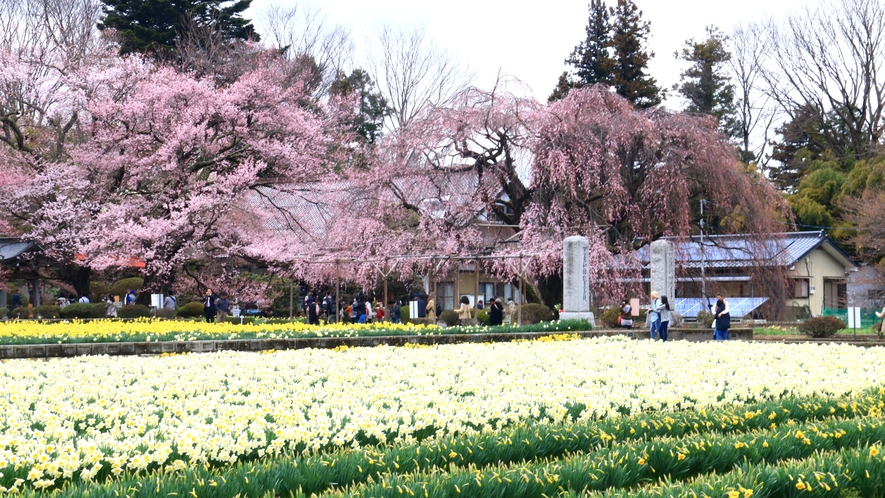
153	330
554	417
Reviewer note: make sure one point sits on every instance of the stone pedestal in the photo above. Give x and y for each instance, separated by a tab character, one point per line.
663	269
576	279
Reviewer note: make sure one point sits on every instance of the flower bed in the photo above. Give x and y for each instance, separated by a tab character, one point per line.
152	330
80	420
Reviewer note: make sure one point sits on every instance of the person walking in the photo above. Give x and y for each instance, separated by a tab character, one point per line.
170	302
654	318
722	319
110	307
464	310
84	299
882	327
209	309
496	312
130	297
422	306
664	318
222	308
431	308
626	317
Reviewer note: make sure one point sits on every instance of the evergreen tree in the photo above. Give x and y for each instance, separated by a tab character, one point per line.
591	59
373	108
705	84
152	25
629	34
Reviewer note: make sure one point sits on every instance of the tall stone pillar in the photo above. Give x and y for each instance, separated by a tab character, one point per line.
3	302
576	279
663	268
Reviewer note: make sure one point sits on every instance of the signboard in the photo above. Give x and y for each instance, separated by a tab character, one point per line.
157	300
853	317
413	309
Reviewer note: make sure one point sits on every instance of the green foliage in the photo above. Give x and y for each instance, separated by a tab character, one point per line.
612	54
369	118
482	316
167	313
816	201
591	60
192	309
821	326
151	26
620	455
4	312
134	311
47	312
83	310
535	313
124	285
629	35
404	314
22	313
705	84
610	316
705	318
449	317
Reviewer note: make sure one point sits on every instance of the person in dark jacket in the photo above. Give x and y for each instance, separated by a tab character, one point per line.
422	306
222	307
209	309
496	312
722	317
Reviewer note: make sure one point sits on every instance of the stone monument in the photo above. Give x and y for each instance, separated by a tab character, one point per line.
663	269
576	279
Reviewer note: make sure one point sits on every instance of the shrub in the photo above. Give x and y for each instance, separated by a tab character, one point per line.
535	313
419	321
404	314
821	326
449	317
705	318
21	313
167	313
133	311
99	288
81	310
4	312
482	316
676	319
47	312
121	287
610	316
192	309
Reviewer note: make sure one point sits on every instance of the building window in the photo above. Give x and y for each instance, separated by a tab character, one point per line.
800	288
446	295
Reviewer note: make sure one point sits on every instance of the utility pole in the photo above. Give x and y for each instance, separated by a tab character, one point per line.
703	261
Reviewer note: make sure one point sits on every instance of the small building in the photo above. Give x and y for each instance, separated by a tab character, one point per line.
817	269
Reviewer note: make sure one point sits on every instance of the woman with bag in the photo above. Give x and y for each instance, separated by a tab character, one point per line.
464	310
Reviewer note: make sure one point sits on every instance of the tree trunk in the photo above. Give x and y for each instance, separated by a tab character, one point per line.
550	289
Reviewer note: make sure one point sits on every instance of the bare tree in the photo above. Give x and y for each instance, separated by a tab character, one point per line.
831	60
754	110
49	26
413	73
305	35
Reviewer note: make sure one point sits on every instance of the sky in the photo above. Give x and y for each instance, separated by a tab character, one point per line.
530	40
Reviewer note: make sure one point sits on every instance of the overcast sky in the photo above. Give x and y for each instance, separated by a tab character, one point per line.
530	40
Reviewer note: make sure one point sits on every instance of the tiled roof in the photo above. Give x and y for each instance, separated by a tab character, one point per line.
738	251
11	248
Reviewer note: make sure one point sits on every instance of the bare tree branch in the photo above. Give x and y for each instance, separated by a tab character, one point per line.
413	74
